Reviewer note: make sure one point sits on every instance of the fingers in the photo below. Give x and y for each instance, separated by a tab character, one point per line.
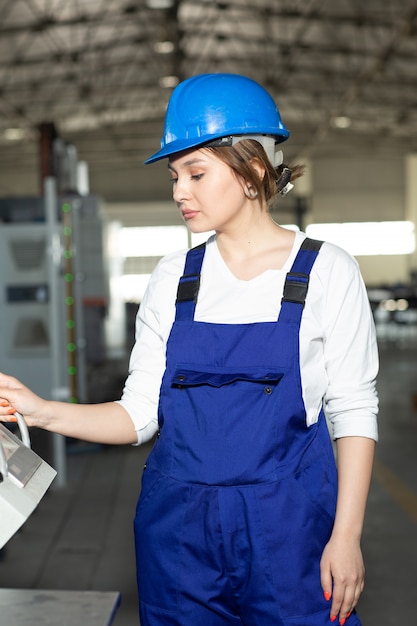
344	599
17	398
10	395
342	583
5	404
7	413
326	583
8	385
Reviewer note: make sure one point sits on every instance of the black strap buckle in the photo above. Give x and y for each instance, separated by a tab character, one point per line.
295	288
188	288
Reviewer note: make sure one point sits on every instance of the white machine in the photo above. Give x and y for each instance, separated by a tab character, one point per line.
24	479
54	294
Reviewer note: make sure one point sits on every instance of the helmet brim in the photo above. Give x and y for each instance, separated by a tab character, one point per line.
181	145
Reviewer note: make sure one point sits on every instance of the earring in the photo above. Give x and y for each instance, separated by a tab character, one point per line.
250	192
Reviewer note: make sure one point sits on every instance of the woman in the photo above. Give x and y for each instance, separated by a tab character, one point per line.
241	344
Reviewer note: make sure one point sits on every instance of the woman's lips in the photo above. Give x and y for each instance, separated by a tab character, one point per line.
188	214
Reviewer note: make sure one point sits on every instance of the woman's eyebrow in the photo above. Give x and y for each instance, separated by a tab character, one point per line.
192	161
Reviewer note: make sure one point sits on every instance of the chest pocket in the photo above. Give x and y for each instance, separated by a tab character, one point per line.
185	377
219	415
226	389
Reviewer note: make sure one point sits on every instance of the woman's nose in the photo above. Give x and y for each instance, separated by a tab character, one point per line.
180	191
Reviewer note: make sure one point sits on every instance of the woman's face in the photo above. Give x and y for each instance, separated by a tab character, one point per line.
207	192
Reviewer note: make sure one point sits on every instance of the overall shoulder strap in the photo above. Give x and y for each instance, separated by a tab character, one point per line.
296	282
189	284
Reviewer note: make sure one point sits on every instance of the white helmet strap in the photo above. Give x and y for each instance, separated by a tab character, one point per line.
268	144
266	141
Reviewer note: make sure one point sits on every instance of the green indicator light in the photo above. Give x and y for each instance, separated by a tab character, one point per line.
70	323
68	278
73	400
67	230
66	207
72	370
69	300
71	347
67	254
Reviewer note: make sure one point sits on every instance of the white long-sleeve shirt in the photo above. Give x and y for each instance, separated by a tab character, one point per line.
338	353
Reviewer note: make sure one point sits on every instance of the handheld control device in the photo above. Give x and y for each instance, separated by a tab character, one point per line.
24	479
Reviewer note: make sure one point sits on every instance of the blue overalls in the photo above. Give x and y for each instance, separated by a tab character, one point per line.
238	495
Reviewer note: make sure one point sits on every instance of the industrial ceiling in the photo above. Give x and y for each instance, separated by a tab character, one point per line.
343	73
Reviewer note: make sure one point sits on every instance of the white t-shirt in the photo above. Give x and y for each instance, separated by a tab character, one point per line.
338	352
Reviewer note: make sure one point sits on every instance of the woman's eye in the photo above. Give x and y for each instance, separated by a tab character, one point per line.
173	180
197	176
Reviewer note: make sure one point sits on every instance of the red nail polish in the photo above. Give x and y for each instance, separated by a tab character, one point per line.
327	595
333	618
4	404
11	411
342	621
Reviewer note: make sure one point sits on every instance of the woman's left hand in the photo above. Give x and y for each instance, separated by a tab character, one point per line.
342	575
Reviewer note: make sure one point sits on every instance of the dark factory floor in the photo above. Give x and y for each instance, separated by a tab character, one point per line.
81	538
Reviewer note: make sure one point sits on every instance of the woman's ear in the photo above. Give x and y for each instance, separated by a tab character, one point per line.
259	168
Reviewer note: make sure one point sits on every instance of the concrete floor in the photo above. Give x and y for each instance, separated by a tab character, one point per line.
81	535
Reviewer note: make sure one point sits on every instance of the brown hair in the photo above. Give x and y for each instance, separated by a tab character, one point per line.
240	156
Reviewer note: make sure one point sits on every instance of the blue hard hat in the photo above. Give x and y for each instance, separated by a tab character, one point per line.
211	106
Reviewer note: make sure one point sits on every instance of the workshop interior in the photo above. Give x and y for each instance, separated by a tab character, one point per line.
83	223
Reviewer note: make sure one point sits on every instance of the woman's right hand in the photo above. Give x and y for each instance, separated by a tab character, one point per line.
14	396
107	423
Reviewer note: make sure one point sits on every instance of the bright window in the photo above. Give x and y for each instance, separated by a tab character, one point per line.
367	238
153	241
142	248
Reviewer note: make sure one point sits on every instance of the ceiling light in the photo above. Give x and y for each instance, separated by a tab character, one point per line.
168	82
159	4
341	121
164	47
14	134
